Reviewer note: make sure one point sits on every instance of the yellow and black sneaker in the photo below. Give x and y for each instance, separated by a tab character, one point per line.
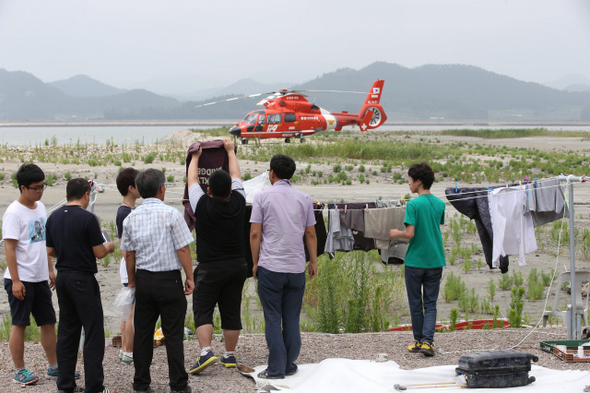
203	362
427	349
415	348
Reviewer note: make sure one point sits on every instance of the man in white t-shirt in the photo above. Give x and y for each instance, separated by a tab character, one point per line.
29	277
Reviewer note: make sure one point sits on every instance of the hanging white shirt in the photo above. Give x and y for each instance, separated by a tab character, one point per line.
514	232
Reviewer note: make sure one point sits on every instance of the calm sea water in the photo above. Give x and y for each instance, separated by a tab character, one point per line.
36	136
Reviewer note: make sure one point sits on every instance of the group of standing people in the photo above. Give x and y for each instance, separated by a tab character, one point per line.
155	239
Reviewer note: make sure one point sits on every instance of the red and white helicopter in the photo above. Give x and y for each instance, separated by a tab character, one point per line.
287	114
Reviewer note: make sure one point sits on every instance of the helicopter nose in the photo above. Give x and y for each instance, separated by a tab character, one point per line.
236	131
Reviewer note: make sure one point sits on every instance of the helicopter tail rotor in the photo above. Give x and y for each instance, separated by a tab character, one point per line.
372	113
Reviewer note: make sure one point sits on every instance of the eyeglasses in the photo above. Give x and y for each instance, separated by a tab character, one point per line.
38	189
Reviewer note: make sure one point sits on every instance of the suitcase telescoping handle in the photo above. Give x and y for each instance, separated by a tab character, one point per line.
400	388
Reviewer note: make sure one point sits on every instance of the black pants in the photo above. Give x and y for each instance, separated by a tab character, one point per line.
78	296
159	294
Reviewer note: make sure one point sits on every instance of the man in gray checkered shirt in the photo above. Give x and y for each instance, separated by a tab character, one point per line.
156	239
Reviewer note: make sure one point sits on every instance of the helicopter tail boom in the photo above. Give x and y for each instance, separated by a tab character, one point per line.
372	104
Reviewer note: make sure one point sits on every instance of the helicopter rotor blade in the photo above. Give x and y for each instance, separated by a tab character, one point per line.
330	91
233	99
278	93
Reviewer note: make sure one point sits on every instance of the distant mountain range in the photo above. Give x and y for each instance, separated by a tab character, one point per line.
426	92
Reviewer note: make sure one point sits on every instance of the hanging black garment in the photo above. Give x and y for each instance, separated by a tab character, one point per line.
473	203
320	230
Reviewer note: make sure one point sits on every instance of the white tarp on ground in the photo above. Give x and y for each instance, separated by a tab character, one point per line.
355	376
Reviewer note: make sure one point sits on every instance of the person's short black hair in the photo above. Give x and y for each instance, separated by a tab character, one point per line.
422	172
220	184
283	166
28	174
76	188
126	178
149	181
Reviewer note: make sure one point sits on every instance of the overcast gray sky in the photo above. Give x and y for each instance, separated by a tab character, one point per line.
132	43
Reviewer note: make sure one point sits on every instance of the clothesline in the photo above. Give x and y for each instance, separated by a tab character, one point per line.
465	198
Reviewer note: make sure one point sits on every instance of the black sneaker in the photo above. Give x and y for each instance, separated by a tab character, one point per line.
415	348
427	349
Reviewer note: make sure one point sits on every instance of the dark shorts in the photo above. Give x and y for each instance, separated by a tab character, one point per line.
221	286
37	301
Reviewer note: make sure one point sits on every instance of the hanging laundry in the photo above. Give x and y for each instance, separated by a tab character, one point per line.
352	215
339	237
473	203
378	222
546	202
394	255
514	233
320	231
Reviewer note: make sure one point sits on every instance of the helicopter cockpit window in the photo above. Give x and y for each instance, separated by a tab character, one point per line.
250	118
290	118
261	119
274	118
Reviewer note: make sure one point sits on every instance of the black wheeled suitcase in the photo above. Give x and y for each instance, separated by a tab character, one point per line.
496	369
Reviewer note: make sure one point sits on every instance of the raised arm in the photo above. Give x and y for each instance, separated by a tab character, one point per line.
192	176
234	167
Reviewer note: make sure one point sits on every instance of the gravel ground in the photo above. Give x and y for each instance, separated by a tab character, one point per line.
316	347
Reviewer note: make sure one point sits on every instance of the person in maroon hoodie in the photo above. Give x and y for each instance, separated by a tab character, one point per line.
222	268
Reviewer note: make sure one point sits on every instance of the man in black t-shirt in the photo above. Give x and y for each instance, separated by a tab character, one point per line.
74	237
222	268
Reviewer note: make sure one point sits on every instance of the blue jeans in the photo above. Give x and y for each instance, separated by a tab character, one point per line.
423	286
281	295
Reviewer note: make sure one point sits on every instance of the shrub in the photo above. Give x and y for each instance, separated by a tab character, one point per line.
349	295
505	281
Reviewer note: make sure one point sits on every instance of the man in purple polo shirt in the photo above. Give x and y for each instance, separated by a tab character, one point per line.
281	216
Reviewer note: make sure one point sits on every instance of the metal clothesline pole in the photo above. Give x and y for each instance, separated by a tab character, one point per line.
574	326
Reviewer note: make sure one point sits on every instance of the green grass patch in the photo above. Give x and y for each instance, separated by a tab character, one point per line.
515	133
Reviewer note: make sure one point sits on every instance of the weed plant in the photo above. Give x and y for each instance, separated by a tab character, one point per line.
491	289
467	264
517	278
505	281
516	307
454	287
351	295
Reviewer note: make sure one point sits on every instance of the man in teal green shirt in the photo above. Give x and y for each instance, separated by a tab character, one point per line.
425	257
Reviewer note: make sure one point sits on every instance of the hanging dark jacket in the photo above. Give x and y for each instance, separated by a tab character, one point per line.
473	203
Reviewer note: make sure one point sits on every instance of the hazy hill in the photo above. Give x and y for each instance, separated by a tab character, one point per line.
25	97
430	91
85	86
565	81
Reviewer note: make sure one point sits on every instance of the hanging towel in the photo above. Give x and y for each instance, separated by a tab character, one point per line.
378	222
514	233
339	237
546	202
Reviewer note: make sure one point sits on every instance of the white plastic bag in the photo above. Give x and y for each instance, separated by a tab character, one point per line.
122	303
255	185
